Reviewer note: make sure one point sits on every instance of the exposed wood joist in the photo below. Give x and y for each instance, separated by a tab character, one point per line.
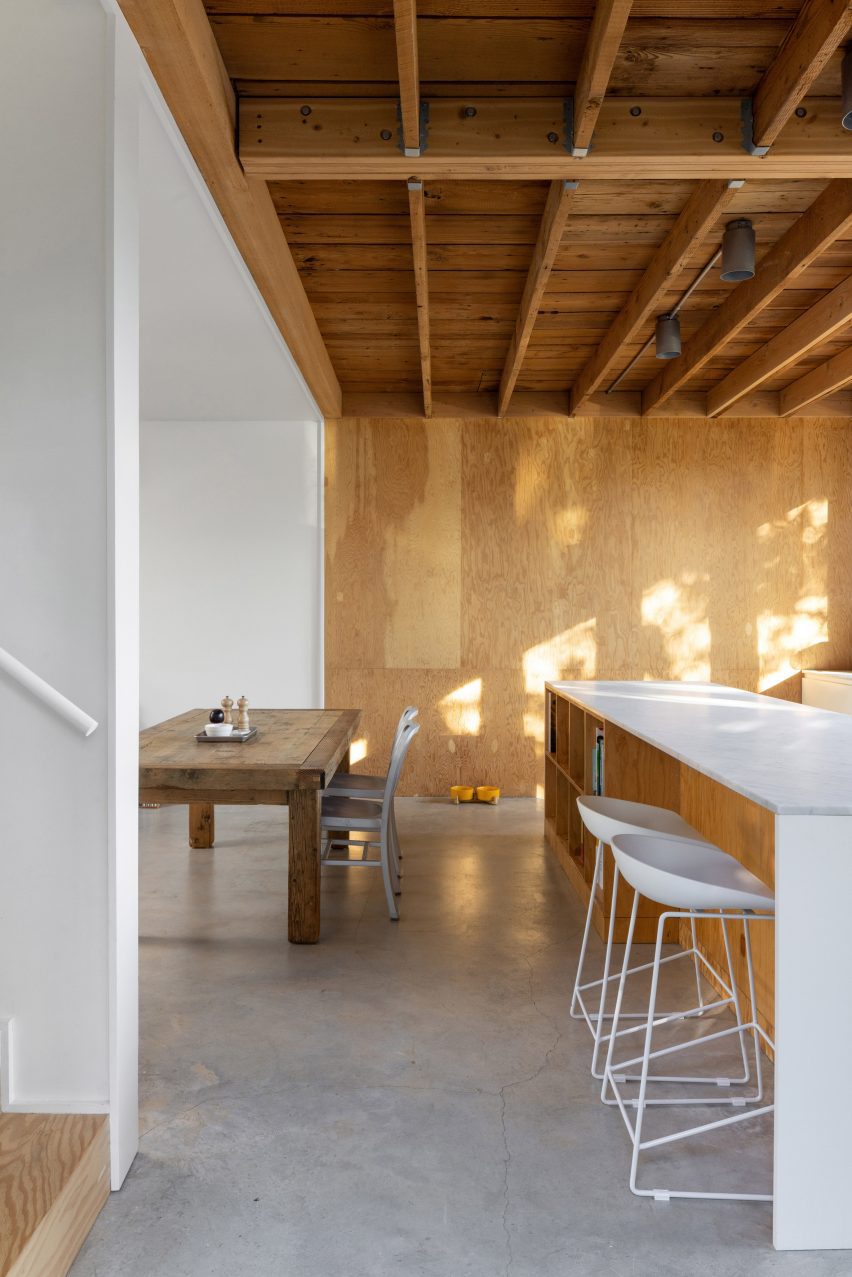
526	139
554	403
829	218
490	10
812	39
700	213
177	41
831	313
605	34
405	30
699	47
555	215
824	380
417	212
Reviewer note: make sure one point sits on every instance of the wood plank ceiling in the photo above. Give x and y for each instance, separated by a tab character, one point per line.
545	285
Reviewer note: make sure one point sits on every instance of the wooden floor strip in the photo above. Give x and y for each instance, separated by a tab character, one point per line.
54	1180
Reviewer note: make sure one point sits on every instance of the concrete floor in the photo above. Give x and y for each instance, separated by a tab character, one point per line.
403	1098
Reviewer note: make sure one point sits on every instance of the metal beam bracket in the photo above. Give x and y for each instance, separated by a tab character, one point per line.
568	123
568	116
747	137
410	151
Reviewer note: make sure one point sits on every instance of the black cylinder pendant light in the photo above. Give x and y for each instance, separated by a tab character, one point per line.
738	250
668	337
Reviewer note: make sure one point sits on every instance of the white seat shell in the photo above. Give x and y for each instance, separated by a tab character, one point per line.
606	817
682	873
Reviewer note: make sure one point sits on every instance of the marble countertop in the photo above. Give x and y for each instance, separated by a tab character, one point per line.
792	759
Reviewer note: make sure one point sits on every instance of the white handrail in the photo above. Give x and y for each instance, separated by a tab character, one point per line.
49	695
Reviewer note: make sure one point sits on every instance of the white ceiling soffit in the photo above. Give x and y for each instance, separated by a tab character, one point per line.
209	349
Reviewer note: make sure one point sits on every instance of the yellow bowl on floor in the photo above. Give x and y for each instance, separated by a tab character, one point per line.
461	793
487	794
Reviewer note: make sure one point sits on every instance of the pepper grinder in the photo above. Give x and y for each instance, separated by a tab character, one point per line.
227	706
243	724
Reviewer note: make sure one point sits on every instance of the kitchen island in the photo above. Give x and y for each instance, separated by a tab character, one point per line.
770	782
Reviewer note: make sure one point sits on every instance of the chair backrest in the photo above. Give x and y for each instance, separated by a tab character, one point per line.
406	736
408	714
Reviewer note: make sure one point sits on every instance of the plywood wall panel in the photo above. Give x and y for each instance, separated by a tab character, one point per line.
826	517
470	559
394	542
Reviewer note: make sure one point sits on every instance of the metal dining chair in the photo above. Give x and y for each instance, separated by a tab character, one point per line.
348	785
341	815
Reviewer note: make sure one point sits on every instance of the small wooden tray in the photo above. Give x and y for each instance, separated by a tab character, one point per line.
204	739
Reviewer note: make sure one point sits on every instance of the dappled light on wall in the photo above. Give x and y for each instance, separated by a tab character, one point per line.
811	518
358	750
571	654
781	639
678	611
462	709
570	524
785	632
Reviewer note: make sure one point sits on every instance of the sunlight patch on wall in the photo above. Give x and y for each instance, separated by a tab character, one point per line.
678	610
794	624
571	654
780	639
812	515
817	517
534	721
462	709
358	750
570	524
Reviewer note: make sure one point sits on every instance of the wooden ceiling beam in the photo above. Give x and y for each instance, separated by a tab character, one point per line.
553	221
831	313
824	380
554	403
605	34
811	41
417	213
700	213
829	218
526	139
405	30
177	41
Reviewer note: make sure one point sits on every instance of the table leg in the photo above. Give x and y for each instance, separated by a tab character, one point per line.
202	825
303	897
343	766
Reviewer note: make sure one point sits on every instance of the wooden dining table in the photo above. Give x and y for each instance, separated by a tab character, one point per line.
289	762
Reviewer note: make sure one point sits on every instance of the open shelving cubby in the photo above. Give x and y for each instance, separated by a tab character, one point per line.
569	772
626	768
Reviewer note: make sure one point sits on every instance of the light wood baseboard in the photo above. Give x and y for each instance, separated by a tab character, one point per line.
54	1180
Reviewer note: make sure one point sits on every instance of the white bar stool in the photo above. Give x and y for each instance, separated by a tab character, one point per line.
691	879
605	818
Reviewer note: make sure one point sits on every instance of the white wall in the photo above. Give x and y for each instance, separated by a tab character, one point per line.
231	463
74	94
231	558
68	477
210	351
